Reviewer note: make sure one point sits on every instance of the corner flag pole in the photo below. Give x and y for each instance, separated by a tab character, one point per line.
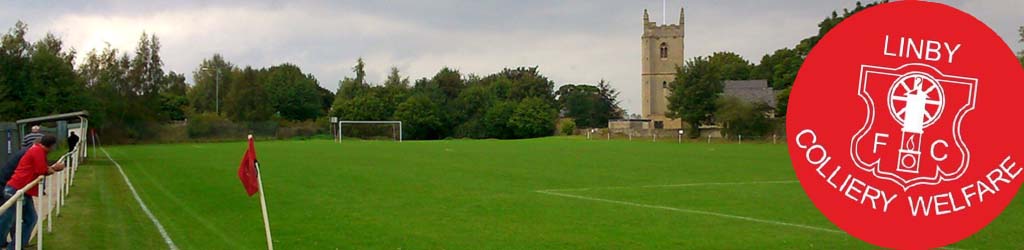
263	205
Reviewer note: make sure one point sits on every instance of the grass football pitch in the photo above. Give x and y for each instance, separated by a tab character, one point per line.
549	193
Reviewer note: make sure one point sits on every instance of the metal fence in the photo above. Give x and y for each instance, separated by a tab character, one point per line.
663	135
52	190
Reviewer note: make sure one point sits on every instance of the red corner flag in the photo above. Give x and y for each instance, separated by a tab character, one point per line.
247	170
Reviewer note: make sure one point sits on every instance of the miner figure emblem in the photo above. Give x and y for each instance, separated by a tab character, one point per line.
926	108
909	98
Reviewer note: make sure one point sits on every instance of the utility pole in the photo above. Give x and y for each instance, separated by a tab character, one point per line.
218	91
216	99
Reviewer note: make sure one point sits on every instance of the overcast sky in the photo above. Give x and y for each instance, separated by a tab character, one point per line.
571	41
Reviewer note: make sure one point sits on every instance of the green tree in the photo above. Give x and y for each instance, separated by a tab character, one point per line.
582	103
172	107
525	83
366	107
349	88
14	57
472	104
740	118
533	117
782	102
105	75
422	117
496	120
609	102
830	22
781	67
53	86
590	106
357	100
212	83
173	99
693	93
176	84
731	66
247	101
291	93
394	91
146	72
395	80
449	81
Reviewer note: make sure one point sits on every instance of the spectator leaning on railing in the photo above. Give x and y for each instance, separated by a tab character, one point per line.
32	165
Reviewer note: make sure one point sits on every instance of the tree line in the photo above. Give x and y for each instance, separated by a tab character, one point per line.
696	94
511	104
131	96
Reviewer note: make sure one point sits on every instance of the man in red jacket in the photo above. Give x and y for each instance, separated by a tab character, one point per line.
31	166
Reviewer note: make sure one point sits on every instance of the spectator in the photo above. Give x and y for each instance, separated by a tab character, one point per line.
5	175
31	166
72	141
31	138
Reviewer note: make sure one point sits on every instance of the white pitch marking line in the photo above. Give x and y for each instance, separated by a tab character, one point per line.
555	192
675	185
159	227
691	211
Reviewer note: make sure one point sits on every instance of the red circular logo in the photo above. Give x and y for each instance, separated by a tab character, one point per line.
903	125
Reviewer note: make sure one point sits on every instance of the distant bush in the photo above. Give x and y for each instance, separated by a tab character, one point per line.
568	127
533	117
741	118
305	129
209	125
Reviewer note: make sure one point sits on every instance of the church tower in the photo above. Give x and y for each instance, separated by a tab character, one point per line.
662	53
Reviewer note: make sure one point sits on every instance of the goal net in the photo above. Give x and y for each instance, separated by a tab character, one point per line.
369	130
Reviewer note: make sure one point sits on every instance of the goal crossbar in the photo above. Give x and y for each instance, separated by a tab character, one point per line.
399	123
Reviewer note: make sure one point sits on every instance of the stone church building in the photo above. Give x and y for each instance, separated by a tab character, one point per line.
662	53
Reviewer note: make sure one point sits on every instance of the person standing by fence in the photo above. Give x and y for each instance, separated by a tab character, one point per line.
32	165
31	138
72	141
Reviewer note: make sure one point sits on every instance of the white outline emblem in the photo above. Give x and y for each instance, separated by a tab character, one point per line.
923	73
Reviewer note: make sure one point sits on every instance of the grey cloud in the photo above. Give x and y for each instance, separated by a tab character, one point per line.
571	41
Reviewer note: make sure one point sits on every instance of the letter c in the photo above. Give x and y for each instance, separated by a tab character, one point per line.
944	145
814	138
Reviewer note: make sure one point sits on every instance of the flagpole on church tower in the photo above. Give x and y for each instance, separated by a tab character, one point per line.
664	12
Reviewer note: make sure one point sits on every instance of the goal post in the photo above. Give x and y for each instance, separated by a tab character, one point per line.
396	127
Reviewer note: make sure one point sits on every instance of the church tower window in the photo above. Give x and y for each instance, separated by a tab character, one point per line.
664	51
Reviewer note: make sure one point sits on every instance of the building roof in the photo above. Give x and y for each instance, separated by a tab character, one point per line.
752	91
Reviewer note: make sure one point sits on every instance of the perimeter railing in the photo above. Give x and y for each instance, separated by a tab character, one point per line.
52	190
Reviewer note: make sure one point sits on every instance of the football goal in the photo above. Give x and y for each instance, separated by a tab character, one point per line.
370	130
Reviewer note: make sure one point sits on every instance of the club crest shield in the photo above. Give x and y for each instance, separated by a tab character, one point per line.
912	130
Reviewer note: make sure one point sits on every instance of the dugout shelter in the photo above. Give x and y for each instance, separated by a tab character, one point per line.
60	125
